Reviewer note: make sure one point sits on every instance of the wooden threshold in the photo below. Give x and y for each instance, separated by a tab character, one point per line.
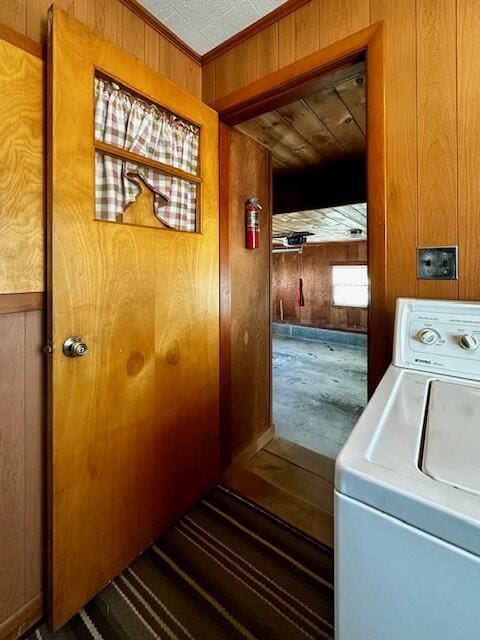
306	459
305	517
294	480
293	483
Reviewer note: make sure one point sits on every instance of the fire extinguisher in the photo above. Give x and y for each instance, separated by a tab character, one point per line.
252	223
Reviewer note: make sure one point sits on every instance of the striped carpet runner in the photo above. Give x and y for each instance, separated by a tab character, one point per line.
225	570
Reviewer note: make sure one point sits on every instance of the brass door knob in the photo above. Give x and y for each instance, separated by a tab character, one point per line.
75	347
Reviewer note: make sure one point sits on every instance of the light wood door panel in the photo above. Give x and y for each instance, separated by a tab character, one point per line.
21	171
133	438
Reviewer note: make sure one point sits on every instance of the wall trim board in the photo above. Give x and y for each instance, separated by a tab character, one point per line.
291	82
23	619
255	446
20	302
164	31
21	41
258	26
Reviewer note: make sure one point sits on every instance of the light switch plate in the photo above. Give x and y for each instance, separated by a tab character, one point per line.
437	263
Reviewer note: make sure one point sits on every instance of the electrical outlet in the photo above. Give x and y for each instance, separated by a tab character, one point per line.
437	263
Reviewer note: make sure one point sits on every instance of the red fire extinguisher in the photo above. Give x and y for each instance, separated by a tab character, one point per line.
252	223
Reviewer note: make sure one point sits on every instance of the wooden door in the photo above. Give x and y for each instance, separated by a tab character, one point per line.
133	436
246	305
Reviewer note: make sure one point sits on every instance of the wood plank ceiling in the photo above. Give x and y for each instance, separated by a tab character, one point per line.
333	224
329	124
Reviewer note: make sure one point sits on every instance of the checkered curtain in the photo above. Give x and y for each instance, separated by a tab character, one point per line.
130	123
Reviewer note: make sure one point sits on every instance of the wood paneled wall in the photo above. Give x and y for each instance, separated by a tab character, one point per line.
115	22
245	296
313	265
22	395
432	118
21	171
22	258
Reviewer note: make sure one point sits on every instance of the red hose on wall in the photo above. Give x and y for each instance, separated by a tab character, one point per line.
300	298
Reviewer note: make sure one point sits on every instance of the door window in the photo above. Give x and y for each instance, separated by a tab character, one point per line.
139	145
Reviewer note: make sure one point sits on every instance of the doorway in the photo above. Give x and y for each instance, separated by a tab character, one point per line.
319	268
300	472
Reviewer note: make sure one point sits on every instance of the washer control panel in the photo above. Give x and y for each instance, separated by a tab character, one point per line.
439	336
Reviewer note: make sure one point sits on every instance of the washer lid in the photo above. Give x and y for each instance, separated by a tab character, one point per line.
452	435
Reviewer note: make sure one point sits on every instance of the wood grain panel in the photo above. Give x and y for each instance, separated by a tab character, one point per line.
14	14
332	111
208	82
236	67
303	119
307	21
341	18
327	124
301	514
181	69
157	295
21	172
292	479
313	265
133	34
468	147
286	273
306	459
21	470
286	40
247	276
437	133
34	461
352	92
84	10
36	26
401	147
118	21
109	19
267	51
12	470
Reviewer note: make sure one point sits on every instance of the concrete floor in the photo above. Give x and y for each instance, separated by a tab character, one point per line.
319	391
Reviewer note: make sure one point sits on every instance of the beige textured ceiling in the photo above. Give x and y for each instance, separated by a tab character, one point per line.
204	24
328	225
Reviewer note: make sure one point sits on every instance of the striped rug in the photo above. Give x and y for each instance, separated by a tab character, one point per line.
225	570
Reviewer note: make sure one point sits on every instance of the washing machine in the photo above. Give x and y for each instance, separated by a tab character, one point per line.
407	487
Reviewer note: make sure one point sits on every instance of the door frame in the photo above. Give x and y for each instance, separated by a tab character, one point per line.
290	83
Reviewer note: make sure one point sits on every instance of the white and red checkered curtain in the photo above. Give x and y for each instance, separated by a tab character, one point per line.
125	121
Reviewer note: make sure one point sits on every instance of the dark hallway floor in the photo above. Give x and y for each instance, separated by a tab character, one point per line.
319	391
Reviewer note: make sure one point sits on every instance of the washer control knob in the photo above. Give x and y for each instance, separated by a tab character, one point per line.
427	336
468	342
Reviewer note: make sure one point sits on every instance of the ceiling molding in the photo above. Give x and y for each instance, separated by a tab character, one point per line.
261	24
164	31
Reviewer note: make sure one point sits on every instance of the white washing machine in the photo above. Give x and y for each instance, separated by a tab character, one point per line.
407	487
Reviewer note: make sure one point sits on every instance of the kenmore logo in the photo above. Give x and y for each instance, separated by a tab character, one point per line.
423	361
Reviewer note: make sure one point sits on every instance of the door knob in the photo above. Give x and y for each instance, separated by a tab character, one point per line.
75	347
